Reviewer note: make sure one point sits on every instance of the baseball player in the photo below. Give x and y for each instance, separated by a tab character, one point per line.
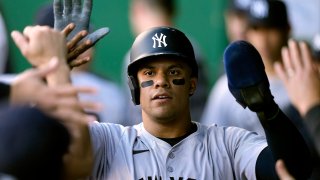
168	144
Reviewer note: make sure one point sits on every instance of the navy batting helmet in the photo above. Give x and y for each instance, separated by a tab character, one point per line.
155	42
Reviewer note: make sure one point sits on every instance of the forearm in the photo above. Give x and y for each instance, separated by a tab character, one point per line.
61	76
286	142
79	161
312	120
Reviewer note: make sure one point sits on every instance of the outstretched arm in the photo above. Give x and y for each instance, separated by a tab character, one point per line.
39	44
301	78
249	85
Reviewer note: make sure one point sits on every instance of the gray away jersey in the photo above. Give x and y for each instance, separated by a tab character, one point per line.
212	152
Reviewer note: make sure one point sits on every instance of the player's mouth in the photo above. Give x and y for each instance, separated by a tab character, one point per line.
162	96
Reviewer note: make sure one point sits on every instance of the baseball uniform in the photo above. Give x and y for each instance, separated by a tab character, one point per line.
211	152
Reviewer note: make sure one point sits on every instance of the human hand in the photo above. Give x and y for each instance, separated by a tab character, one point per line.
300	76
247	79
75	48
40	43
29	88
282	171
71	12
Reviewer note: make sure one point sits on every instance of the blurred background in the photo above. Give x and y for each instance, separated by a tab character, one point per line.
202	19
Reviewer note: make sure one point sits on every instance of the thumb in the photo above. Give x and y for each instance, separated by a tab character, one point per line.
47	68
97	35
20	41
282	171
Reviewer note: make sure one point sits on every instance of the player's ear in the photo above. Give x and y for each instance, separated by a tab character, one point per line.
193	85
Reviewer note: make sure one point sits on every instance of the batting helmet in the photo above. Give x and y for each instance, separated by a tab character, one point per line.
155	42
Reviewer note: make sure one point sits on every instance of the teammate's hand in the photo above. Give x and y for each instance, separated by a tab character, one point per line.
40	43
72	12
300	76
282	171
29	88
75	48
247	79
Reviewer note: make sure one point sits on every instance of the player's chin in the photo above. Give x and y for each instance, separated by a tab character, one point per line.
163	116
162	112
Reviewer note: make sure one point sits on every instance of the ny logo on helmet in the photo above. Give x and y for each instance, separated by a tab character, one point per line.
160	40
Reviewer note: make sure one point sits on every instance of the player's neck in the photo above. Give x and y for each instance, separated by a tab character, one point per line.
169	129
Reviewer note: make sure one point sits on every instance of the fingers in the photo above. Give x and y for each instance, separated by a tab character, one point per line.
91	106
282	171
67	30
280	72
67	7
72	91
77	38
287	62
57	10
85	44
46	69
20	40
296	58
56	103
295	55
76	7
68	103
79	50
39	72
86	11
98	34
79	62
307	58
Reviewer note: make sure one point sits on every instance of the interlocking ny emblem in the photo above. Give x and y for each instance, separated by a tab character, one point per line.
160	40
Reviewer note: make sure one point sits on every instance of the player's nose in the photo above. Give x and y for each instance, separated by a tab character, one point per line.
162	80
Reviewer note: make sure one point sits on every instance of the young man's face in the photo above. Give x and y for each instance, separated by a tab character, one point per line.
236	26
165	87
268	41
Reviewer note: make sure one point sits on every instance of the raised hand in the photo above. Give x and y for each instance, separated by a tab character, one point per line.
29	88
71	12
40	43
299	75
75	48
